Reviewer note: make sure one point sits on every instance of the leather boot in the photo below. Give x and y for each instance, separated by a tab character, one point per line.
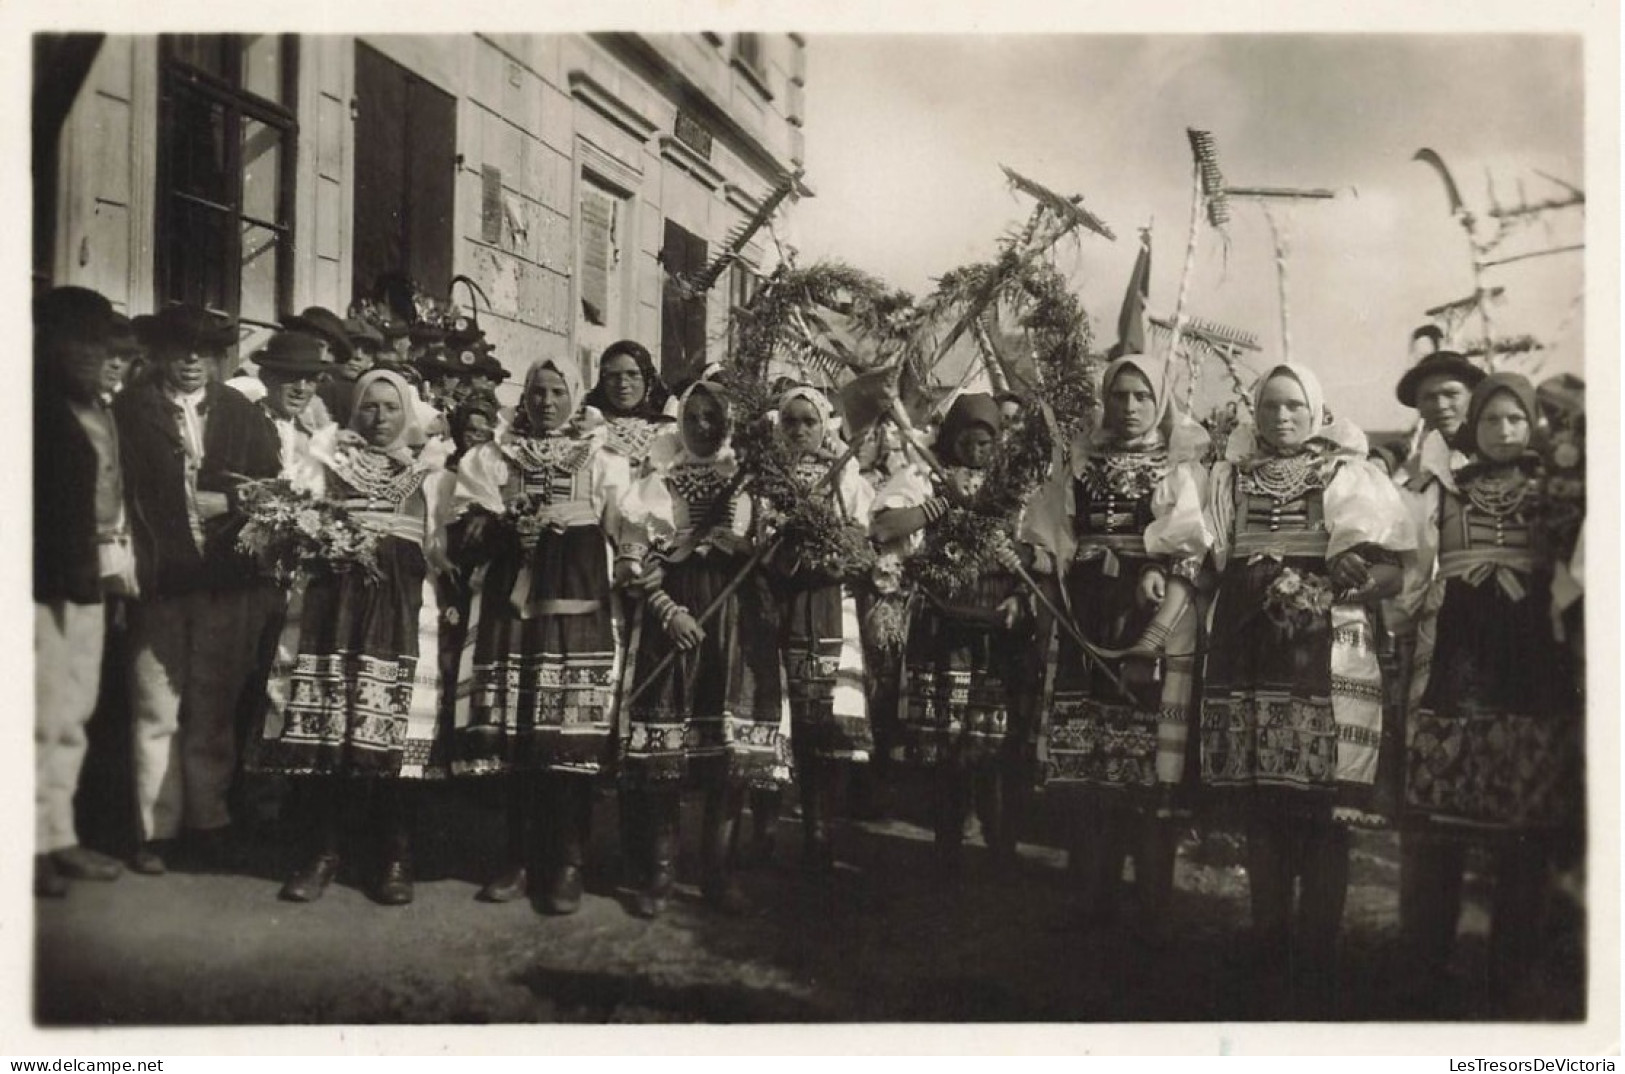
720	881
394	827
659	836
570	817
949	807
512	879
765	804
817	808
322	801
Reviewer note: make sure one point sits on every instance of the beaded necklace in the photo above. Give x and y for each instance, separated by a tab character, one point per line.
1126	475
632	436
376	476
1284	478
1500	495
555	452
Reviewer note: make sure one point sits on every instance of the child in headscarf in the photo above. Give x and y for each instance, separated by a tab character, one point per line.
542	503
1308	535
963	650
1495	729
709	719
1124	524
352	717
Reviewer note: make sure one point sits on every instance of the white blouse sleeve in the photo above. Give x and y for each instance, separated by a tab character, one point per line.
857	497
1363	507
611	478
1179	528
481	477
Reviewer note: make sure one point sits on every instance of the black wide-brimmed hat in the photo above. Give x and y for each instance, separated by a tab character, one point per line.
1439	363
292	353
121	337
362	333
191	329
75	314
325	325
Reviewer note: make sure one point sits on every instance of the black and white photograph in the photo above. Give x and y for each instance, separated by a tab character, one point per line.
938	523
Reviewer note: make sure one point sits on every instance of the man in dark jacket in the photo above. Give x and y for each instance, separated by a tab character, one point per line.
81	554
188	443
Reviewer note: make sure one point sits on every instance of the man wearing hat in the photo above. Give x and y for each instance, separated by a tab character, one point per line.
187	443
1438	387
81	556
338	390
292	367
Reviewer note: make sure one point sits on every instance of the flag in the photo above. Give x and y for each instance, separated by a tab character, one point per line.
1136	299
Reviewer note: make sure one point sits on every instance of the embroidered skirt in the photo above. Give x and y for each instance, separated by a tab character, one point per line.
1495	734
716	715
956	698
823	666
541	692
355	699
1096	739
1289	722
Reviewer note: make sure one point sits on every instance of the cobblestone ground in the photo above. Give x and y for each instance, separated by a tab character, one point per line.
884	939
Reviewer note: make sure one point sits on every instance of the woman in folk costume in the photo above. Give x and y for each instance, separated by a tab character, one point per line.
632	398
823	656
1494	734
360	710
710	718
963	650
1308	535
1125	526
543	509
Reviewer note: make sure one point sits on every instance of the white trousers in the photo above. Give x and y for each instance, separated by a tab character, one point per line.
67	676
192	656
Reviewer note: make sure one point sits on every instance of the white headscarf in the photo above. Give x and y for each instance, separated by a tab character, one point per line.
1341	435
828	421
412	428
716	392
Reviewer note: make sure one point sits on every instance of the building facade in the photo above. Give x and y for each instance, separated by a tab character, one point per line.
570	176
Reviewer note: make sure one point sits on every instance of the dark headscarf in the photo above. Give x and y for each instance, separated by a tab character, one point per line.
655	393
968	411
1513	384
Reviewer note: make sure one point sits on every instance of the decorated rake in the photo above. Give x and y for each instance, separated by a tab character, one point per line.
1207	200
1483	242
1213	340
740	237
1053	218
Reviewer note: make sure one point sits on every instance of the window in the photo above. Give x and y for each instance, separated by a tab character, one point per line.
227	134
748	47
405	176
682	320
601	270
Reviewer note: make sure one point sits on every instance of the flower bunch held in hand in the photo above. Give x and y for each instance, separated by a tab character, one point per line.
289	530
1299	603
528	517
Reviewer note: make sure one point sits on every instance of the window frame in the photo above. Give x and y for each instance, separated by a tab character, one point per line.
239	105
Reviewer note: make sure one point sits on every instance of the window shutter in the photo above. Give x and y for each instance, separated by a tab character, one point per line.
597	253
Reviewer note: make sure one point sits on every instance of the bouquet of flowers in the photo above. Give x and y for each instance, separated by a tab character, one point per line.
289	529
1299	603
527	515
888	613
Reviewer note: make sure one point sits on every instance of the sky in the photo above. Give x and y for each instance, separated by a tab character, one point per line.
905	134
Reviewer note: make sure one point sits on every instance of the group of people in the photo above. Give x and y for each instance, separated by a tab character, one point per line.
1275	635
